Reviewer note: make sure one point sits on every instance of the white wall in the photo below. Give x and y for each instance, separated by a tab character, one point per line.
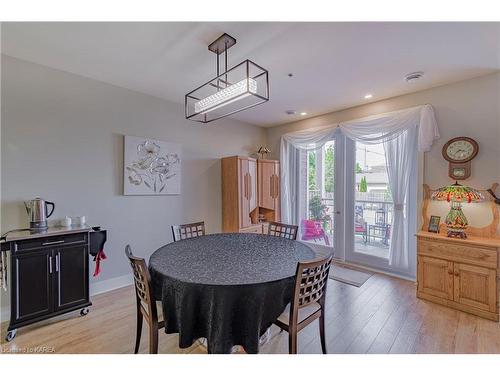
62	139
468	108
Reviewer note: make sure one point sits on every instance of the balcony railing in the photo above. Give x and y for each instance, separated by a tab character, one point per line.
374	207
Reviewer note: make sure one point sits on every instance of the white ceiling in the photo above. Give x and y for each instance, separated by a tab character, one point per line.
333	64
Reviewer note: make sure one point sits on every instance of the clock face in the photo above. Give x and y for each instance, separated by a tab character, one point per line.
460	150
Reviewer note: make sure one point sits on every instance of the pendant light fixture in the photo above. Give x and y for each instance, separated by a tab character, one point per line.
232	90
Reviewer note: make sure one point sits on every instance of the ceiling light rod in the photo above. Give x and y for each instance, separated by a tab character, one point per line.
219	46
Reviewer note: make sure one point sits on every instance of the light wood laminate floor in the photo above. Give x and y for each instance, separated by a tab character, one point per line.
383	316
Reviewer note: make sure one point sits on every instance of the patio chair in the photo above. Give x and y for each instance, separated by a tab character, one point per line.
360	227
312	230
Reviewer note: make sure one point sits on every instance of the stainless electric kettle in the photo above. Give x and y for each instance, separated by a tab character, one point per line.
37	212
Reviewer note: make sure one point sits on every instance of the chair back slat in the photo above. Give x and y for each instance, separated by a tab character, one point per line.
191	230
283	230
142	284
311	281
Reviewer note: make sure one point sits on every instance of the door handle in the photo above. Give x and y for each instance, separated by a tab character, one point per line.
58	256
249	186
50	264
52	243
277	189
245	186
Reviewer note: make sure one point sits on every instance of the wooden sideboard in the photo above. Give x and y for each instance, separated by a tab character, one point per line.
250	188
459	273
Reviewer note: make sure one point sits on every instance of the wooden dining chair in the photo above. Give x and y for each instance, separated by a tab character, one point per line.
191	230
283	230
145	301
308	301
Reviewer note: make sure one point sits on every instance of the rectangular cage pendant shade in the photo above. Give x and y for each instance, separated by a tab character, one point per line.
243	86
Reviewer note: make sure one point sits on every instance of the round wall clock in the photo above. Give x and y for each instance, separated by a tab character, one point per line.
459	152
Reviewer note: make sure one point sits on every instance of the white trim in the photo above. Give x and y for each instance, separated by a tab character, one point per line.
5	314
96	288
376	270
104	286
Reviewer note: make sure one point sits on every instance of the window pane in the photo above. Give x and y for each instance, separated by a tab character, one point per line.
373	206
317	221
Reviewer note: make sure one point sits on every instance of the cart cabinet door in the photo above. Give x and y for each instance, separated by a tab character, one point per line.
72	276
32	289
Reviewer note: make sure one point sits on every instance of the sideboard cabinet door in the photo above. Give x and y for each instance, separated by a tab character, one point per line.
475	286
72	276
435	277
33	285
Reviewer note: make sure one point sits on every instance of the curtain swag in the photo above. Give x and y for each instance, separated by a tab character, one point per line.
372	130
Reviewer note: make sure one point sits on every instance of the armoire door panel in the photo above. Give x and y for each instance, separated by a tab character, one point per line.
277	195
267	185
244	200
252	185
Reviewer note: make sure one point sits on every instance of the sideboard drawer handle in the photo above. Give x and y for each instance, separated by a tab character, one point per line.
52	243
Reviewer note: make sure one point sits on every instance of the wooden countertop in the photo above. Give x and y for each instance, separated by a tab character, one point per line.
472	240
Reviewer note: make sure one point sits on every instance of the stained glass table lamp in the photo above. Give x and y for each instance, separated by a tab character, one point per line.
456	222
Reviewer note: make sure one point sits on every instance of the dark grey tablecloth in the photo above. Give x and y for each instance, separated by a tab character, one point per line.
228	287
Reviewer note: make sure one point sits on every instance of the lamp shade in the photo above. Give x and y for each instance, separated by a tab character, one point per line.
457	193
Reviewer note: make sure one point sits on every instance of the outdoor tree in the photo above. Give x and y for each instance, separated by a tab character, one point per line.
358	168
318	211
329	168
363	186
311	169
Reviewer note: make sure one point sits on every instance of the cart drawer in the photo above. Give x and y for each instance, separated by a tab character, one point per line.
50	242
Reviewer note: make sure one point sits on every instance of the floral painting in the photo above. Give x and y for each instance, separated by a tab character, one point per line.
151	167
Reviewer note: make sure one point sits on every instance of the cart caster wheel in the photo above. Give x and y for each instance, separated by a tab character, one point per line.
10	335
84	311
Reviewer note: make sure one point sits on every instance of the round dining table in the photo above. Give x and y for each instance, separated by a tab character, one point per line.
228	288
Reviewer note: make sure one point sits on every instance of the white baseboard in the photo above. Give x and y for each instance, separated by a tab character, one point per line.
97	287
5	314
104	286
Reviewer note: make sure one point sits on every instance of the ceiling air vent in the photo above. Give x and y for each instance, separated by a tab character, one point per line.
412	77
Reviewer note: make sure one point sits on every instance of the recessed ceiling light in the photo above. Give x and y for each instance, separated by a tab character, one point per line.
303	113
368	96
412	77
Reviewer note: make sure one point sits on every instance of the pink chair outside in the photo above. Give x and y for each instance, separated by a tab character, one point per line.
312	230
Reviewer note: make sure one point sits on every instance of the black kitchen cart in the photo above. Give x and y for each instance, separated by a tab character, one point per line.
49	275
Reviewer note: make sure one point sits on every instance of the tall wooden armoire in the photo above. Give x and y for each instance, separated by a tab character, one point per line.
250	188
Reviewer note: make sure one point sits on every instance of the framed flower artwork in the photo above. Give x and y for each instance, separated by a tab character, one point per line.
151	167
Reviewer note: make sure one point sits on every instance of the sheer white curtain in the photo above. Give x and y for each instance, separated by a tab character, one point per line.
400	158
397	130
